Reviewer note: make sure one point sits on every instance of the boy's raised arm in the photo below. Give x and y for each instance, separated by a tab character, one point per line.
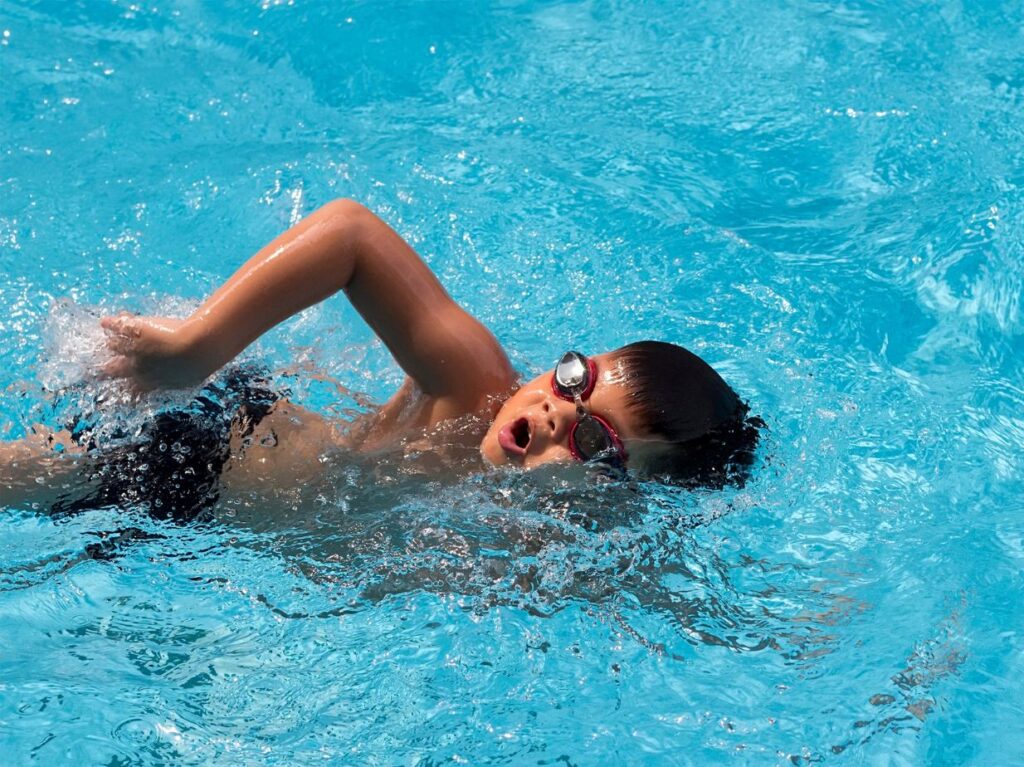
342	246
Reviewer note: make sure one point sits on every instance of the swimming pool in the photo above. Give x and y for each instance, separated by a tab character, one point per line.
824	200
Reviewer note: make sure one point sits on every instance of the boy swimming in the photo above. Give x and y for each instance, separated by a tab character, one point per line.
651	407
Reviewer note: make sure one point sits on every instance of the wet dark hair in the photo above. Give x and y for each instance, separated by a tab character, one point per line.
677	398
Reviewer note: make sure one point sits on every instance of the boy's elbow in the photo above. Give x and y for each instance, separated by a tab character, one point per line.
344	210
343	220
344	226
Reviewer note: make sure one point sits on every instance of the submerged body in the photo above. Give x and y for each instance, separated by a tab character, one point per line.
291	444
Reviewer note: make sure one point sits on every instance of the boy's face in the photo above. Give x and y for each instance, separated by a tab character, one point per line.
532	427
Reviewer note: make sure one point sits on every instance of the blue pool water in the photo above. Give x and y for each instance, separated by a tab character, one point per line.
826	200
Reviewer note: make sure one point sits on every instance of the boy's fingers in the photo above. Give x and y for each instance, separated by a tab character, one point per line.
123	324
117	344
119	367
124	345
113	322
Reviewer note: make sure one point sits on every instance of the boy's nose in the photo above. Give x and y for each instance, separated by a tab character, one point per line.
552	420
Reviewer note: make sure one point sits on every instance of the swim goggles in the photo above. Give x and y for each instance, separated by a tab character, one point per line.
591	438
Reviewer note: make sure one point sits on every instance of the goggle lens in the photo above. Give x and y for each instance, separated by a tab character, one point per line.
571	373
591	439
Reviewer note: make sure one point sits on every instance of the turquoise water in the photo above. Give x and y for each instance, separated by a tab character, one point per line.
824	200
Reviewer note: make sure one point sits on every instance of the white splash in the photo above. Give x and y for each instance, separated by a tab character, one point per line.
74	353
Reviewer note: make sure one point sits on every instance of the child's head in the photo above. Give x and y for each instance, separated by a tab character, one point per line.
654	406
697	421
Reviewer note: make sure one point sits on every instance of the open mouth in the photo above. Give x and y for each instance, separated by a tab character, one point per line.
514	437
521	432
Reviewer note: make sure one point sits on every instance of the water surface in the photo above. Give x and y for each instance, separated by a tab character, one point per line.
824	200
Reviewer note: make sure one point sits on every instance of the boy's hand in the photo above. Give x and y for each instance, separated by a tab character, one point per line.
152	352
